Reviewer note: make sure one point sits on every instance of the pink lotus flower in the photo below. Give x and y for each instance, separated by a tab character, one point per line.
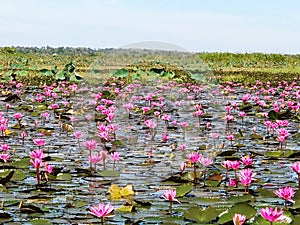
37	154
296	167
164	137
36	163
17	116
206	161
226	165
166	117
246	177
242	114
238	219
182	166
169	195
77	134
94	158
272	215
247	161
181	147
101	211
90	144
214	135
183	124
282	132
286	194
48	168
246	97
234	164
194	157
115	156
4	147
39	142
145	109
232	182
230	137
4	157
150	123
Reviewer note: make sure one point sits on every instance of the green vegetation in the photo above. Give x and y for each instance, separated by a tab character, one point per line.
47	64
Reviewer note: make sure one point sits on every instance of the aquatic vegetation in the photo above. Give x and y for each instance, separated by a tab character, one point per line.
96	141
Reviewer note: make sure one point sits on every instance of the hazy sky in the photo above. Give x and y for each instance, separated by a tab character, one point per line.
196	25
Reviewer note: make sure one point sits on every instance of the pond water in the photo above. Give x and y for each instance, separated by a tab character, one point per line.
150	166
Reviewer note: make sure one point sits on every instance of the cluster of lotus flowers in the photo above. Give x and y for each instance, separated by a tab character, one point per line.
106	133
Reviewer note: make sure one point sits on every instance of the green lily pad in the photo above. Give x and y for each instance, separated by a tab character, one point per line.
21	163
63	176
241	198
197	215
125	208
241	208
109	173
183	189
274	154
40	107
79	204
18	175
255	136
40	221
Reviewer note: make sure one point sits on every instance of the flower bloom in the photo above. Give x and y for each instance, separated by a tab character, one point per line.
183	124
17	116
272	215
4	147
242	114
214	135
164	137
232	182
206	161
226	164
246	176
101	210
36	162
77	134
296	167
90	144
169	195
37	154
166	117
234	164
48	168
285	193
230	137
4	157
182	166
150	123
181	147
282	132
115	156
194	157
238	219
39	142
247	161
94	158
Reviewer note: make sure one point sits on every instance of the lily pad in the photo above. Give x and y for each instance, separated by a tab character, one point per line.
197	215
109	173
183	189
18	175
40	222
125	208
64	176
241	208
274	154
21	163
